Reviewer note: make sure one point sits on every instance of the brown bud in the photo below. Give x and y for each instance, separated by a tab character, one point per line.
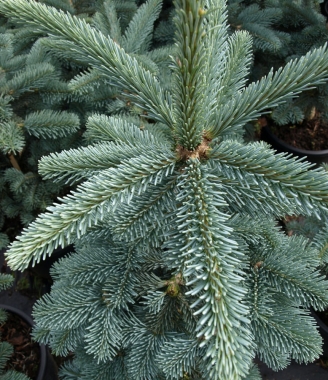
258	265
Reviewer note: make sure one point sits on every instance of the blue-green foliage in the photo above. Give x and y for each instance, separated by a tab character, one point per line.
37	85
29	113
281	30
179	270
301	27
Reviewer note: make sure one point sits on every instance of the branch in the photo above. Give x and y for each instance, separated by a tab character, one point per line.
104	54
14	162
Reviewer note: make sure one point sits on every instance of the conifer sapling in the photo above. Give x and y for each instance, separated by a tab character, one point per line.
180	271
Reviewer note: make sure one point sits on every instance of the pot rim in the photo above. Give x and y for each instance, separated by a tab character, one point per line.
294	149
29	320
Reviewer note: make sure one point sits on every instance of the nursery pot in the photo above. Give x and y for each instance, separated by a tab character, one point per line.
324	8
42	375
315	156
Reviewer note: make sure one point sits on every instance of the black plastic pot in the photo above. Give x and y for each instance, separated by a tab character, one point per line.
315	156
43	350
324	8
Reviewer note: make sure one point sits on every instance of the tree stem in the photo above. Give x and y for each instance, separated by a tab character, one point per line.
14	162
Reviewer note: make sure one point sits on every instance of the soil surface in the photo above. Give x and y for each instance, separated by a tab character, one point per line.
26	355
309	135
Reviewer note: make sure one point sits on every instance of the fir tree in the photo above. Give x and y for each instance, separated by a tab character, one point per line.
180	271
284	30
261	19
